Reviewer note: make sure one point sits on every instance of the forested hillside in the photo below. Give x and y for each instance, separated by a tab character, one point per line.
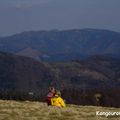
85	79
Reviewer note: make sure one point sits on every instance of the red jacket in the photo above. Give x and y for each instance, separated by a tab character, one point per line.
49	96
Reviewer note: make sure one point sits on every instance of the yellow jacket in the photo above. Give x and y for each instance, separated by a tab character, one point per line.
57	101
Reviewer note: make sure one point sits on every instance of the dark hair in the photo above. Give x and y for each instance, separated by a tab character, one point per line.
51	88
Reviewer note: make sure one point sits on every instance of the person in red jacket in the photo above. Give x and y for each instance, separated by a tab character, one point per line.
50	94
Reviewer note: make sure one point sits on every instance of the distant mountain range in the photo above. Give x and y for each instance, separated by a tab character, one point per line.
80	63
63	45
97	73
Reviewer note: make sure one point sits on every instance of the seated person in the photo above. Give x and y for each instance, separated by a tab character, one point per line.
50	94
56	100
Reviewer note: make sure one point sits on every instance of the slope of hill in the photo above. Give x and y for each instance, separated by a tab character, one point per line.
13	110
23	74
29	52
82	42
97	75
97	71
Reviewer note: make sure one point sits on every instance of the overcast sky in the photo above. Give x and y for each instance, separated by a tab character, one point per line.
25	15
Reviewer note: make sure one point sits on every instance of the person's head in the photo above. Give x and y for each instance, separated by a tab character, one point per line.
52	89
58	93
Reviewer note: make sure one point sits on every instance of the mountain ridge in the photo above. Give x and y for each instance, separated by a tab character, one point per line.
85	42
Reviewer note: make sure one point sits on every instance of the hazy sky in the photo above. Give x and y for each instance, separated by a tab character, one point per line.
24	15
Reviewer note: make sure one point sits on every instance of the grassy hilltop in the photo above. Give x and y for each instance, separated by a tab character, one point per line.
13	110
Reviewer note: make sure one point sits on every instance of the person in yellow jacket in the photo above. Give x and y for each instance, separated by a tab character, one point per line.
57	100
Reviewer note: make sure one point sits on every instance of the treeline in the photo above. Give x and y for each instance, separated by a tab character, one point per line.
98	97
21	96
107	97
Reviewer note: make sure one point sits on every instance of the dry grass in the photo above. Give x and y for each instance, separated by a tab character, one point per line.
13	110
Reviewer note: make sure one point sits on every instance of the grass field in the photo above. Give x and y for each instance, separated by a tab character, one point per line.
13	110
